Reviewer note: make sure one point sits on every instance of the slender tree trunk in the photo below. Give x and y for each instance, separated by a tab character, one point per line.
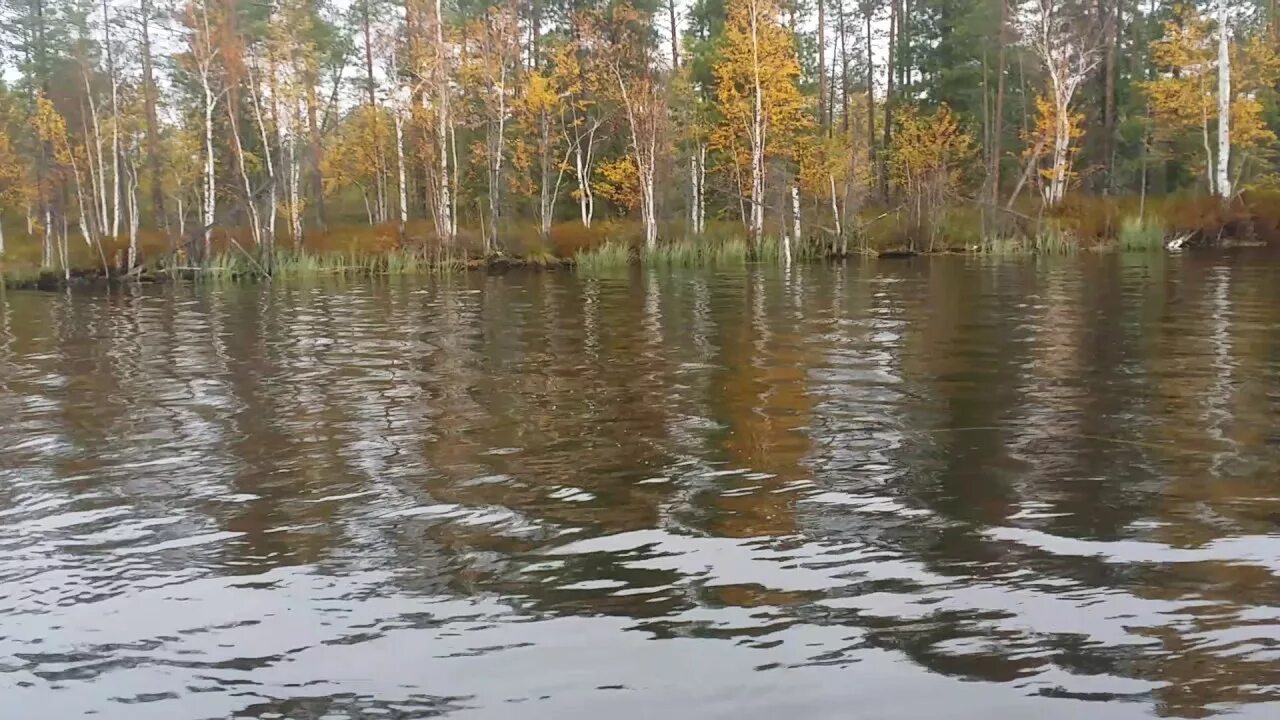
795	212
131	178
693	190
453	153
904	44
535	33
675	35
497	143
822	66
46	252
115	121
255	227
1210	169
702	188
100	181
583	150
890	61
698	180
1142	197
295	175
153	123
1061	153
401	178
548	190
871	97
255	92
759	129
371	90
1112	28
844	69
1224	101
444	213
315	153
986	113
210	188
835	213
997	130
93	200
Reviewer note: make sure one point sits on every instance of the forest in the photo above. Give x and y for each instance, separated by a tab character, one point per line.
173	132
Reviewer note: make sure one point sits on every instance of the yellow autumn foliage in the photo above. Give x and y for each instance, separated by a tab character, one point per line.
1183	98
769	61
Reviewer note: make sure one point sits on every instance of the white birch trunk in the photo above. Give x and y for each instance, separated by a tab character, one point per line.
702	188
584	189
1069	56
1224	103
495	160
693	201
115	121
210	190
400	174
98	180
650	195
46	251
757	134
255	225
835	212
115	160
795	213
132	176
644	145
1061	154
445	210
61	245
269	236
650	213
295	176
453	208
582	159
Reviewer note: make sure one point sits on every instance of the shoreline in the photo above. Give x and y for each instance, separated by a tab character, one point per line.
342	265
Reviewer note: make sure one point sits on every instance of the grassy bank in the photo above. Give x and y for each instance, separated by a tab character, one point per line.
1082	224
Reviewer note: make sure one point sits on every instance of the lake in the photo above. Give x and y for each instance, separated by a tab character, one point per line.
951	487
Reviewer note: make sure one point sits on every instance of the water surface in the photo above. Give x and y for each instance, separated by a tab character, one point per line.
951	488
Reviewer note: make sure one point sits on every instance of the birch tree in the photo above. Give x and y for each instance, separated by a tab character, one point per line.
626	54
1224	102
758	95
1069	46
202	55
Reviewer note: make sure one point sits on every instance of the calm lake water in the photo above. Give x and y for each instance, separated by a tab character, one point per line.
946	488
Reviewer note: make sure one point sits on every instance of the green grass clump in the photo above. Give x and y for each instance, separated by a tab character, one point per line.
682	254
730	253
1054	241
610	256
1137	235
1048	240
404	263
